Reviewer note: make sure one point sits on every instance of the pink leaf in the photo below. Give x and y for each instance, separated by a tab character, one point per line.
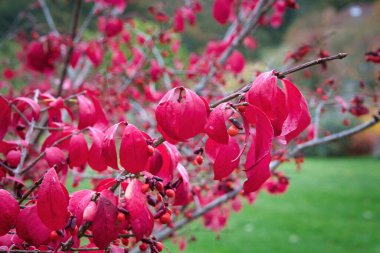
30	227
53	200
221	10
177	111
134	152
223	156
216	127
78	150
235	62
298	117
5	116
78	202
96	160
87	113
141	218
179	21
55	157
105	226
9	211
109	146
182	194
258	156
266	95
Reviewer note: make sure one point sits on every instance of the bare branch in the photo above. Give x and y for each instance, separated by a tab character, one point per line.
48	16
71	47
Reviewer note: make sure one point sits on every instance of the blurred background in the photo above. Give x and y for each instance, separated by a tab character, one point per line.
333	203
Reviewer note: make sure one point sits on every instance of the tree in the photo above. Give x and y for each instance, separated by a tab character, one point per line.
153	128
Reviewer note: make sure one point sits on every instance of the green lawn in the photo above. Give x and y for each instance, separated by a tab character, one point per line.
332	205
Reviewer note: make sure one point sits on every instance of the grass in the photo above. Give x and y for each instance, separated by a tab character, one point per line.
332	206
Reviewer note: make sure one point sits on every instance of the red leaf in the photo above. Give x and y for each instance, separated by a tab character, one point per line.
55	157
169	161
221	10
78	150
224	157
9	211
109	146
87	113
235	62
258	156
266	95
53	200
216	127
96	160
78	202
105	226
258	176
179	21
141	218
30	227
182	194
134	152
5	116
177	111
298	117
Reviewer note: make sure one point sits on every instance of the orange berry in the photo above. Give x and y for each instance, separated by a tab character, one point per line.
159	186
199	159
150	149
164	219
188	215
143	246
121	217
232	130
125	241
170	193
53	236
145	188
159	246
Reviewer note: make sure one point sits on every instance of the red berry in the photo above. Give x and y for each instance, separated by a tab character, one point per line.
53	236
159	186
151	150
164	219
121	217
199	159
125	241
159	246
170	193
232	130
188	215
145	188
143	246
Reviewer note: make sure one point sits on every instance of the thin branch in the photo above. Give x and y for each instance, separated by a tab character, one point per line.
71	47
309	64
246	87
38	158
48	16
27	194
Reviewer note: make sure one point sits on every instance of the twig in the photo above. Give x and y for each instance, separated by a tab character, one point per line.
246	87
26	195
49	18
71	47
309	64
38	158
